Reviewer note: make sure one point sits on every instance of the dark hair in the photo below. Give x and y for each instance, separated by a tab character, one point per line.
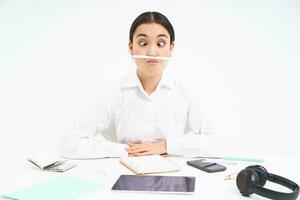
152	17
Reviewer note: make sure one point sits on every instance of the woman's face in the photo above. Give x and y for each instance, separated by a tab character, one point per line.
151	40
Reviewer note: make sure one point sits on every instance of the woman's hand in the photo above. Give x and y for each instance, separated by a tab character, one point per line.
139	149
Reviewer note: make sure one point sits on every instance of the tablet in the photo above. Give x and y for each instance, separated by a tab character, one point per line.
156	184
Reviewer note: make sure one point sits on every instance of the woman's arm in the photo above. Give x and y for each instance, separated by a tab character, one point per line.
201	137
90	136
89	140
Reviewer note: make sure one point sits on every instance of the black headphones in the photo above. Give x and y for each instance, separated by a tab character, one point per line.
253	178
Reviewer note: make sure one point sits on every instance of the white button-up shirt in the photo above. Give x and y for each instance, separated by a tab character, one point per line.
127	114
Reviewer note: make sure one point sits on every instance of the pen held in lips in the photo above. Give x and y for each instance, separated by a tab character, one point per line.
150	57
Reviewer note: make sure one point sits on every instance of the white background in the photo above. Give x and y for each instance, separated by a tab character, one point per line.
241	57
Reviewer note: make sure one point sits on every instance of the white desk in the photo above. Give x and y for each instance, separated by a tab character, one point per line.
16	173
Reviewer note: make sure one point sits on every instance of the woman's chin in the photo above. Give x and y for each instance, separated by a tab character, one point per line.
153	72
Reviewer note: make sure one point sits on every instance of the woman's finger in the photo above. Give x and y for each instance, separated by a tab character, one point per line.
138	150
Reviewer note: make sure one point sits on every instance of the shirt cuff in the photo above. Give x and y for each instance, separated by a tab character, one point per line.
172	146
118	150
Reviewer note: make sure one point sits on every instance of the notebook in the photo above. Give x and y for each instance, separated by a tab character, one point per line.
149	164
51	163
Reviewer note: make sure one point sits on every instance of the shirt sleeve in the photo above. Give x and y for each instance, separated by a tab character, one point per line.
89	137
201	138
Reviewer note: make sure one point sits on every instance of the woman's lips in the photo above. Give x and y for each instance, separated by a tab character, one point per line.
152	61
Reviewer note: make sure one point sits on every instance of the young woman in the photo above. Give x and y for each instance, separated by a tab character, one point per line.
147	113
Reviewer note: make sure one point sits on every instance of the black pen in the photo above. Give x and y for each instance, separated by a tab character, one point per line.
53	164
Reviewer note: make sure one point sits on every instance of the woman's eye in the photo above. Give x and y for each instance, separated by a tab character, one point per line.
161	44
142	43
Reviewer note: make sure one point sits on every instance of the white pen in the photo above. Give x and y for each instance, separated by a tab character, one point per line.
150	57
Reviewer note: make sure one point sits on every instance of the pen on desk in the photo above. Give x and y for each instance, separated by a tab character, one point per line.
51	165
54	164
242	159
229	158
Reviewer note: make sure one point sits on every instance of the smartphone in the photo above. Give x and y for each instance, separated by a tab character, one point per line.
209	167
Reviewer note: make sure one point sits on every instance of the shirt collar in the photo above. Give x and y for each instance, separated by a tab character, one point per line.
133	80
168	80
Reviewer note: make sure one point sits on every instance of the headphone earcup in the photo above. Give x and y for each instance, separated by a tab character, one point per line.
261	172
246	180
252	179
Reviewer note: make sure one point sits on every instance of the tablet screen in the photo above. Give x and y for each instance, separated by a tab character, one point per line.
173	184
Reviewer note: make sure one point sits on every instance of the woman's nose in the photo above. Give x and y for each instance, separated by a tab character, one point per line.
152	50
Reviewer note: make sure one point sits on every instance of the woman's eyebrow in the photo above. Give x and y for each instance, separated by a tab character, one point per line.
141	35
144	35
162	35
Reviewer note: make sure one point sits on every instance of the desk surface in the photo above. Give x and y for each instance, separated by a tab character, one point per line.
16	173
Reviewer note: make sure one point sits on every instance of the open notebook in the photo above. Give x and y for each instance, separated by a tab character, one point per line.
51	163
149	164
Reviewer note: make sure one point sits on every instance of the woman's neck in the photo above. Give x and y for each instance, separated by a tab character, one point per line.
149	83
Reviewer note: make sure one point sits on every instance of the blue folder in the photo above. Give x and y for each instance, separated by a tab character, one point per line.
62	188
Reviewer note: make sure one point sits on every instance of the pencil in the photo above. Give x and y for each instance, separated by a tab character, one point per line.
150	57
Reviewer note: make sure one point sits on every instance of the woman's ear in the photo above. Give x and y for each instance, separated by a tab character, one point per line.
130	47
172	47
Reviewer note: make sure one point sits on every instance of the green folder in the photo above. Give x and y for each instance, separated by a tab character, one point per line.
62	188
